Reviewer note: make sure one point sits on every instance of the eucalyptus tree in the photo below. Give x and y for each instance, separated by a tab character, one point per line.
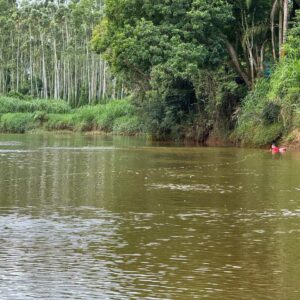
280	9
45	51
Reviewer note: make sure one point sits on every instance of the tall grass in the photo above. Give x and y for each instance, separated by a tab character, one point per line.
60	122
17	122
128	125
296	119
19	115
113	111
16	105
271	110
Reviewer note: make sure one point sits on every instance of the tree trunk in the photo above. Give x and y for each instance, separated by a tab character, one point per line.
280	32
30	62
236	64
274	8
285	25
45	84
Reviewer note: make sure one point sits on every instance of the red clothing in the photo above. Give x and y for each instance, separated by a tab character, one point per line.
276	149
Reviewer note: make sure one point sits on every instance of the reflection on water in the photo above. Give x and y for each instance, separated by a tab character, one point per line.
115	218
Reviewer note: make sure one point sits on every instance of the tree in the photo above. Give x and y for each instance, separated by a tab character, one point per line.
45	51
164	50
137	37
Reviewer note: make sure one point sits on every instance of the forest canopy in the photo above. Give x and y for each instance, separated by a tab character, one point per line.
193	61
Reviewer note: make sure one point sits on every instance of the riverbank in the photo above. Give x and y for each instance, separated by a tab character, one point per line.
26	115
121	117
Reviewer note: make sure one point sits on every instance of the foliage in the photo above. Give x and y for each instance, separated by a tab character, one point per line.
14	94
176	37
176	56
272	108
87	113
187	64
111	112
40	116
60	122
117	116
8	104
129	125
265	135
16	122
296	119
164	50
270	113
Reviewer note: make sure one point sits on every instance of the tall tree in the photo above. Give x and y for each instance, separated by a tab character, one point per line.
45	51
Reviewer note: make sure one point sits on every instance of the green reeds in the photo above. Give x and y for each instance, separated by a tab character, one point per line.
19	115
16	105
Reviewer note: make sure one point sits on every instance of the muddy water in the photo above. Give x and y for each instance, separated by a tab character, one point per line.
119	218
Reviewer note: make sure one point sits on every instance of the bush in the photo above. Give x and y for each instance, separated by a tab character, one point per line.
15	94
88	113
60	122
103	116
16	122
270	113
127	125
272	108
40	116
262	119
112	111
296	118
264	135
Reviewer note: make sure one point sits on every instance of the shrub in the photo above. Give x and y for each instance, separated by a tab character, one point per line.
15	94
264	135
60	122
270	113
127	125
296	118
88	113
16	122
112	111
40	116
50	106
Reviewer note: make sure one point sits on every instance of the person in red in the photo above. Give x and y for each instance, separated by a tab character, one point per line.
276	149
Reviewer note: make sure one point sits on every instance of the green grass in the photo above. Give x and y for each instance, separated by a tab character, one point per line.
113	111
17	122
19	115
60	122
16	105
296	118
269	112
264	135
128	125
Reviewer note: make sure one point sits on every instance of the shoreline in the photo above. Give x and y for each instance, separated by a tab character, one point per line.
293	145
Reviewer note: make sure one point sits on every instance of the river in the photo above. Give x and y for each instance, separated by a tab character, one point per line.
92	217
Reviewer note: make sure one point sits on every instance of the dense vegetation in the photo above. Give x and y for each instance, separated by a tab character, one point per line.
21	115
196	69
272	110
191	63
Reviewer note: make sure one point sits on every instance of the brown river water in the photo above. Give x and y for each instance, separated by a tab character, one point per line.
91	217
